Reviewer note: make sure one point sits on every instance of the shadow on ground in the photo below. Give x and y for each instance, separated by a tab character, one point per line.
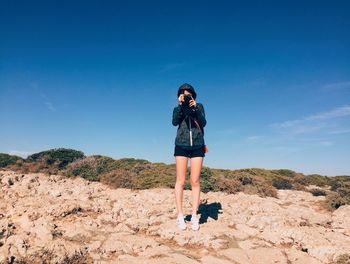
206	210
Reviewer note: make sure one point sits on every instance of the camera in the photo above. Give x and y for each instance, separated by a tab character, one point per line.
187	99
186	108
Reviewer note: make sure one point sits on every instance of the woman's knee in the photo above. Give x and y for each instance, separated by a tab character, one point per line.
194	183
180	183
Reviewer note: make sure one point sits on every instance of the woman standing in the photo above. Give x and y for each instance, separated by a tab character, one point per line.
189	144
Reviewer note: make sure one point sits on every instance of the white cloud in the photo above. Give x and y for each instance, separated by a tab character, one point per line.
313	122
336	86
337	112
50	106
47	102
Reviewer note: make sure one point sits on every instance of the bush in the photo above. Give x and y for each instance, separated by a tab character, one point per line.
334	201
105	164
285	172
249	185
336	184
266	190
142	174
345	193
206	180
24	166
154	176
318	192
58	156
120	179
145	174
6	159
316	179
85	168
245	179
131	163
299	187
227	185
281	183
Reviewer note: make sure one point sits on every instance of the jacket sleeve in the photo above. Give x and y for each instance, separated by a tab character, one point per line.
177	115
200	115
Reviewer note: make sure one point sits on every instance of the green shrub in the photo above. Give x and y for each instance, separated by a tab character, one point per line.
206	180
345	193
281	183
105	164
132	164
249	185
58	156
118	178
316	179
335	184
6	159
284	172
85	168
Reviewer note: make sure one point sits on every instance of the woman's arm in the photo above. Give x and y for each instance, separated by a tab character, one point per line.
177	115
200	115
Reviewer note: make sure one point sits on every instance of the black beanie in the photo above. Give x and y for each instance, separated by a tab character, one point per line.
187	87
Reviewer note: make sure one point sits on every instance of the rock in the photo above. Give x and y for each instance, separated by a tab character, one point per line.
341	218
57	216
214	260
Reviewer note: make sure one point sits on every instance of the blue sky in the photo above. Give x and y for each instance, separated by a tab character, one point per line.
102	77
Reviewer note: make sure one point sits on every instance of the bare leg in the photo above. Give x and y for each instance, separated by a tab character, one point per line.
196	166
181	169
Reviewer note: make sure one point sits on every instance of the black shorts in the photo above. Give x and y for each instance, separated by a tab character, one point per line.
190	153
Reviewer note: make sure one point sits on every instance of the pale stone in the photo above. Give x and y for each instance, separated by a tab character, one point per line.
138	226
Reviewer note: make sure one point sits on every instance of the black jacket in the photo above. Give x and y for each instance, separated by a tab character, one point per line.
185	123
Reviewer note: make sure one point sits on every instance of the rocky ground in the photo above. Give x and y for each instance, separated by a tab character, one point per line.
53	219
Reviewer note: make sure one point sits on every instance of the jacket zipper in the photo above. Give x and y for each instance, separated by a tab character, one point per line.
189	119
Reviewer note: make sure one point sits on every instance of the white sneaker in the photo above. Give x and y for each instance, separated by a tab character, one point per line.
180	222
195	222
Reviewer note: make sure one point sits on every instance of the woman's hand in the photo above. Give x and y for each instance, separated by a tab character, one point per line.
193	103
181	99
